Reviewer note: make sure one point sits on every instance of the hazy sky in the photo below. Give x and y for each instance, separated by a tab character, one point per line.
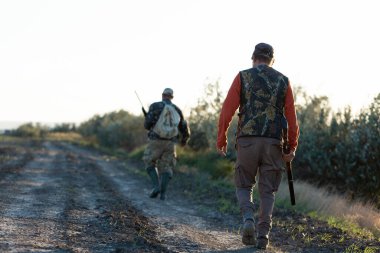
68	60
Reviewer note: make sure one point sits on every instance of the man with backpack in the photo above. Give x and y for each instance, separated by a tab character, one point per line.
166	127
266	107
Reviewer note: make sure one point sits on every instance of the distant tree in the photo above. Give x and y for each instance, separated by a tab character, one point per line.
116	130
314	128
363	165
30	130
339	149
204	116
199	140
64	128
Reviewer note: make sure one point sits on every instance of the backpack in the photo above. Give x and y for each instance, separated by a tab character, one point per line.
167	124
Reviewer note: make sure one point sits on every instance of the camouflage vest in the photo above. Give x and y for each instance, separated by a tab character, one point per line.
262	102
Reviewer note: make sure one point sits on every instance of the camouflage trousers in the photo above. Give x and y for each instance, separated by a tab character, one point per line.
263	157
160	154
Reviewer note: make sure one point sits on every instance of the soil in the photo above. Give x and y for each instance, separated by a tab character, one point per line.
57	197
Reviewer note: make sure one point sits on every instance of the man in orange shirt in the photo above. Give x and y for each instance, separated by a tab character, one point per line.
266	106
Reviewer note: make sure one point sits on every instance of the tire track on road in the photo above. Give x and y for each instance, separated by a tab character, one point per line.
59	202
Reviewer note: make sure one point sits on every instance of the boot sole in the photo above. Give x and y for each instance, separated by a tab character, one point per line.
249	237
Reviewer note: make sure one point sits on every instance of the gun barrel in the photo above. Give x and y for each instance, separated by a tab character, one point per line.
286	150
290	183
137	95
142	106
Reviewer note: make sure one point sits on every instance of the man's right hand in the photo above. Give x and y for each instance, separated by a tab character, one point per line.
144	112
222	150
289	157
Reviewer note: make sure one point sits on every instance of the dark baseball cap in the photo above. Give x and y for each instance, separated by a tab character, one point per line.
168	91
263	50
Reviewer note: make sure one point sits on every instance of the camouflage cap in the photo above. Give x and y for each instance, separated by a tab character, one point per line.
168	91
263	50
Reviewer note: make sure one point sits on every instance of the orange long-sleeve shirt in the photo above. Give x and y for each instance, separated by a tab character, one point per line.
232	103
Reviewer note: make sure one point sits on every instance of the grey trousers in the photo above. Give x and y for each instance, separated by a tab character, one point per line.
262	157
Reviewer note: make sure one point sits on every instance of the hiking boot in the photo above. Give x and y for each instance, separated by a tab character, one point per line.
249	237
165	178
262	243
152	172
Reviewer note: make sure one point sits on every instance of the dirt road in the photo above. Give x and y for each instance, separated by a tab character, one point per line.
56	197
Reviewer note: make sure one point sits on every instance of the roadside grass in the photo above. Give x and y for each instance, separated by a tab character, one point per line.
206	162
362	220
6	138
216	193
207	178
61	136
137	153
353	248
72	137
6	150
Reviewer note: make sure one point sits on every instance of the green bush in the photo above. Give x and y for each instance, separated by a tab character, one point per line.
31	130
204	117
137	153
116	130
343	151
198	141
64	128
208	162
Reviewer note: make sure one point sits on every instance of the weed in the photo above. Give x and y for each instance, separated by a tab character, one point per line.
301	228
354	218
353	248
207	162
308	239
225	205
349	227
371	249
137	153
325	237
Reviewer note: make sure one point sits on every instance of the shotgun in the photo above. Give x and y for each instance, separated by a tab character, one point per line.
286	150
142	106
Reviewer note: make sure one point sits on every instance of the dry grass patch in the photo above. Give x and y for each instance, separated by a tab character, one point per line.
332	206
70	136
